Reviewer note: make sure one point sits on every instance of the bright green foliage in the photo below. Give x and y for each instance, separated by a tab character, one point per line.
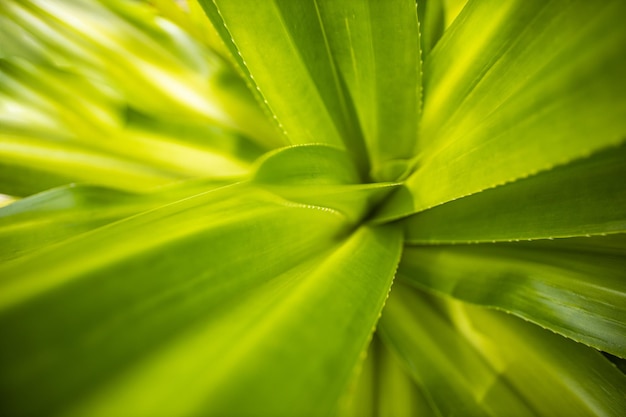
568	289
208	202
481	362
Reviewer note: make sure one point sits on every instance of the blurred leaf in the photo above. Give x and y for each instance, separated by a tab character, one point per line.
40	163
452	8
151	271
190	16
383	388
58	214
474	361
54	215
59	127
577	289
159	68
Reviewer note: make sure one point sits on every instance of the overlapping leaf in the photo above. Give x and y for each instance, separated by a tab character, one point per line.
260	298
479	362
376	47
580	293
61	213
384	388
321	175
297	77
117	97
250	296
513	89
334	64
587	197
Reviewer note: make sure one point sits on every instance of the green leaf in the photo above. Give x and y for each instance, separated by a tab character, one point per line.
452	8
60	127
398	393
229	49
187	317
154	286
359	398
311	164
342	62
514	89
58	214
190	17
159	68
42	163
432	21
375	45
479	362
49	217
383	388
136	266
577	289
320	175
586	197
353	201
297	77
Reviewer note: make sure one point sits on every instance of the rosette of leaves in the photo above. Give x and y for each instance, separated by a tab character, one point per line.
313	207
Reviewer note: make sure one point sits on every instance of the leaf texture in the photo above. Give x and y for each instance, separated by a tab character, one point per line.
512	89
206	219
586	197
377	50
480	362
575	287
384	388
320	175
43	219
251	296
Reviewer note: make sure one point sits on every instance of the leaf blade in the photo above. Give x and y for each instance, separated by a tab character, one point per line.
199	317
587	197
579	293
315	106
377	49
522	99
494	363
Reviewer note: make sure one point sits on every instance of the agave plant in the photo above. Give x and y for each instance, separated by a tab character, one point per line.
312	207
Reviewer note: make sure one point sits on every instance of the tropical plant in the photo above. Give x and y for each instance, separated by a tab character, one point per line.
204	217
